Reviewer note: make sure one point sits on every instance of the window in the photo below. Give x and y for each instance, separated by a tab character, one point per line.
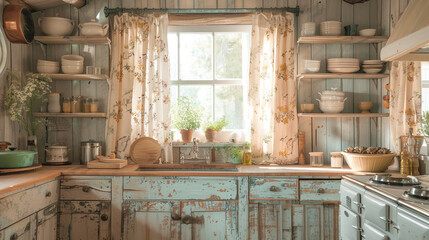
425	86
210	65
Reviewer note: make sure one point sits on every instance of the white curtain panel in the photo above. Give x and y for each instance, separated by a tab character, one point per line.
139	100
272	90
405	100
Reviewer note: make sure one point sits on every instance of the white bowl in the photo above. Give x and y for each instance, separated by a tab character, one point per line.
71	63
72	58
372	70
331	106
372	62
47	68
72	69
56	26
331	98
367	32
332	92
49	63
311	66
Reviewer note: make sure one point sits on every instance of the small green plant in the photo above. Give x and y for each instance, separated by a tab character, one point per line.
20	98
425	124
185	115
217	125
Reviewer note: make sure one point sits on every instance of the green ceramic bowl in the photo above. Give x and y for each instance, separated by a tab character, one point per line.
16	159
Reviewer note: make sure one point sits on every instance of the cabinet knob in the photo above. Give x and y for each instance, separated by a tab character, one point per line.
85	189
186	219
274	189
14	236
48	194
320	190
104	217
175	217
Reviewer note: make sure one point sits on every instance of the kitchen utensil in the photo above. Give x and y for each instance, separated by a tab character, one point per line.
311	66
16	159
89	151
57	155
145	150
54	103
56	26
99	165
367	32
307	107
316	159
351	30
93	28
368	162
365	107
18	24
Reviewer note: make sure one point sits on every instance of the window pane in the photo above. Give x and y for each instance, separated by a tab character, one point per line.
173	94
229	55
196	50
425	99
229	102
172	51
202	95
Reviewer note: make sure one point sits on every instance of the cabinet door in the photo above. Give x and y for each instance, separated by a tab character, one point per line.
22	230
350	224
47	223
209	220
290	220
412	225
146	220
84	220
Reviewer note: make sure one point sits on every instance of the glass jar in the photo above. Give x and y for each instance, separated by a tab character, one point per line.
87	105
66	105
74	104
54	103
316	159
94	106
336	160
247	156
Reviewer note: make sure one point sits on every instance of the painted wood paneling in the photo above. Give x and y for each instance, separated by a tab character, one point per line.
273	188
85	189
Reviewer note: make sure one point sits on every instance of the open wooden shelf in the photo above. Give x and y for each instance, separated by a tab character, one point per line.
63	40
342	39
69	77
341	75
71	115
342	115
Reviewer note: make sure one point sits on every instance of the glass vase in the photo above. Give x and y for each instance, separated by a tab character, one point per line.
32	146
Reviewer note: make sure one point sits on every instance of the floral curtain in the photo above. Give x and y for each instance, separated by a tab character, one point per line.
139	101
405	100
272	90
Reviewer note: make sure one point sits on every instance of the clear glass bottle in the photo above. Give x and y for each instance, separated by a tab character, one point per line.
247	156
405	161
413	158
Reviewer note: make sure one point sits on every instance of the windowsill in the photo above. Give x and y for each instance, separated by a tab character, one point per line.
210	144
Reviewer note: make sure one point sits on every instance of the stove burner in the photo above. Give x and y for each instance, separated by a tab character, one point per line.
418	192
389	180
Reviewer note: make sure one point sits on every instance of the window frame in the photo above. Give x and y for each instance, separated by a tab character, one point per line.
214	81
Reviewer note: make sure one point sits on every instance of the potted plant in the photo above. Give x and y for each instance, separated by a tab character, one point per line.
212	127
186	117
20	98
425	128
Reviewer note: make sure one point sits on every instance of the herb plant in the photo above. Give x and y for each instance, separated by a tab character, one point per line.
425	124
20	98
186	115
217	125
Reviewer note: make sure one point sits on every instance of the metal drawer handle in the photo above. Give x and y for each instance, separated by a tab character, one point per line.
396	227
104	217
274	189
85	189
175	217
321	190
48	194
14	236
187	219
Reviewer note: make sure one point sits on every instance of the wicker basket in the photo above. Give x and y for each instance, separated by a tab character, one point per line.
368	162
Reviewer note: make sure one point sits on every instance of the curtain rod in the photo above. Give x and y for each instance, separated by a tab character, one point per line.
119	11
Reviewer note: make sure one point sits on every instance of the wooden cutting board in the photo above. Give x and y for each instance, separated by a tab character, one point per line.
98	164
145	150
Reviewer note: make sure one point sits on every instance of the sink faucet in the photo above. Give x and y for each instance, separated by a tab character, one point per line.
194	154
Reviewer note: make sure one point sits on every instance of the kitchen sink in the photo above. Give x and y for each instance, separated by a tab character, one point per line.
215	167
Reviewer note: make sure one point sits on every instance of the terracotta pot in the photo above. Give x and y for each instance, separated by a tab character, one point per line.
187	135
210	135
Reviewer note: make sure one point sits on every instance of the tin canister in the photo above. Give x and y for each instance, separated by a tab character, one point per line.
89	151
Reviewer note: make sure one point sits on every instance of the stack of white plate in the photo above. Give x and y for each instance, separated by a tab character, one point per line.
330	28
72	64
372	66
343	65
308	29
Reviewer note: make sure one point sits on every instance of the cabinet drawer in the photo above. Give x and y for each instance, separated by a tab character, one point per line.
319	190
85	189
186	188
19	205
273	188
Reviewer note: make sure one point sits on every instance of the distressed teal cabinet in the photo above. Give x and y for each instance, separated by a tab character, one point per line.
292	208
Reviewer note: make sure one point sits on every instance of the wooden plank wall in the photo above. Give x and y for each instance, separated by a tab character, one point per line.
332	134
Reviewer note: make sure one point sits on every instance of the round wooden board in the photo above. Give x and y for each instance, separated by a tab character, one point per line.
145	150
13	170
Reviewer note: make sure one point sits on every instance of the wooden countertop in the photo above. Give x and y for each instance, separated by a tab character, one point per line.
15	181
